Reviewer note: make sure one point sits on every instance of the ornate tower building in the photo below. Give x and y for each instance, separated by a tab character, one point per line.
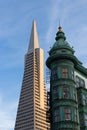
68	87
32	108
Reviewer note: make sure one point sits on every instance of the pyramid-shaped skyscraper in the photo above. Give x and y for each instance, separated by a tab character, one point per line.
32	108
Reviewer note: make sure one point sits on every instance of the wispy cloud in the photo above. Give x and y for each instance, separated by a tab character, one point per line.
15	25
72	16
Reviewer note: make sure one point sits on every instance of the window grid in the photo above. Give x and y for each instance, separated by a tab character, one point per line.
66	92
55	93
67	113
56	115
79	82
84	100
86	119
75	94
64	72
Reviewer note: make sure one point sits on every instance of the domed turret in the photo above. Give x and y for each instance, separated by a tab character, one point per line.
61	45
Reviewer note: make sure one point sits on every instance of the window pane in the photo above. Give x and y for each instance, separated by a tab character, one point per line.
54	74
66	92
81	119
67	113
84	99
56	115
86	119
55	93
72	72
75	114
75	94
64	72
80	82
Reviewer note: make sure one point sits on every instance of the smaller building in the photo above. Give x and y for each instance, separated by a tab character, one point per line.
68	87
81	86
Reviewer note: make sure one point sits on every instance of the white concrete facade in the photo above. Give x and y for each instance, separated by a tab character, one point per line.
76	73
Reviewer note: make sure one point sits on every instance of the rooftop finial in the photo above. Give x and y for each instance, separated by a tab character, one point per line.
60	28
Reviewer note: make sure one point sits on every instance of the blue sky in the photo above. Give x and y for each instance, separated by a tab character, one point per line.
16	18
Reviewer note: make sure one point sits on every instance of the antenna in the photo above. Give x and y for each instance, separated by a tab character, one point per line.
59	28
59	22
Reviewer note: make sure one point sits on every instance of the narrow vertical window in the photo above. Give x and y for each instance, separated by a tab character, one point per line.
86	119
80	82
81	119
84	99
72	72
75	94
79	98
77	82
64	73
56	115
55	93
75	114
54	74
67	113
66	92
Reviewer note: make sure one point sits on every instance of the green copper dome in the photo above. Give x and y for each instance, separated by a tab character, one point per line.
61	45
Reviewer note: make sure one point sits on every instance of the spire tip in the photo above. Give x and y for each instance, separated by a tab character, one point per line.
59	29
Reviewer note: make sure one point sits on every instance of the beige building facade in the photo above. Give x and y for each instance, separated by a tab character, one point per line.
32	111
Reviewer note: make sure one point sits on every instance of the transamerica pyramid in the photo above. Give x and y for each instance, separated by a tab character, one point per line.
32	108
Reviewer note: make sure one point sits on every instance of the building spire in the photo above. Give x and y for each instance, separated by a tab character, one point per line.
33	43
59	28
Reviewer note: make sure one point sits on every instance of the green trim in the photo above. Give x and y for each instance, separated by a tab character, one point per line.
68	125
63	81
60	47
64	102
72	58
80	72
69	57
82	89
